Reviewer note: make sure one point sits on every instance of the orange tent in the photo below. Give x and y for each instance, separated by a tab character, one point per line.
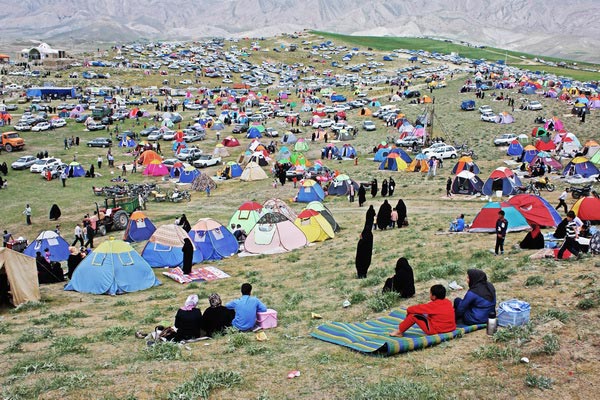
148	156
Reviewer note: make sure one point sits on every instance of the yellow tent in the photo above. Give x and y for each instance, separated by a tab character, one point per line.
21	273
418	165
365	112
314	226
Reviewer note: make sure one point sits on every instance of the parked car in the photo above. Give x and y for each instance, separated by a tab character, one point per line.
95	126
369	125
42	126
324	123
189	154
271	132
58	122
504	139
22	126
488	116
409	141
441	152
100	142
191	135
23	162
169	135
485	108
148	131
40	164
534	105
207	160
169	162
82	118
155	135
240	128
55	170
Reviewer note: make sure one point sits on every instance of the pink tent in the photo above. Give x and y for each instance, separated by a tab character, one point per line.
156	168
274	233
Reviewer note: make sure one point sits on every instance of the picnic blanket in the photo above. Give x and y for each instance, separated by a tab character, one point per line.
372	337
204	274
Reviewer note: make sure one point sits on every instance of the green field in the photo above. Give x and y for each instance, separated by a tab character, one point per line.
80	346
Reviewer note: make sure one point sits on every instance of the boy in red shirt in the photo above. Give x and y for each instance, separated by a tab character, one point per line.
434	317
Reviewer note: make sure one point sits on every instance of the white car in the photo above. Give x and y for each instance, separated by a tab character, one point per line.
189	154
369	126
43	163
58	123
324	123
42	126
271	132
488	116
192	136
169	135
534	105
485	108
23	162
441	152
22	126
505	139
207	160
156	135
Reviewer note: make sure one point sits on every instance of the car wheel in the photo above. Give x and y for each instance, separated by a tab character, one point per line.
453	156
89	145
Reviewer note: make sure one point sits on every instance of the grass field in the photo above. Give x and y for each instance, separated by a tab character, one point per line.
79	346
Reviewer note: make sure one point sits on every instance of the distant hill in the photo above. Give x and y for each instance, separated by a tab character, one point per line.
549	27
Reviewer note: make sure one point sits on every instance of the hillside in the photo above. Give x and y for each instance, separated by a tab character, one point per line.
534	26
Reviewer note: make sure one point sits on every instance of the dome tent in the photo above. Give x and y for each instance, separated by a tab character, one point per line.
139	228
274	233
164	248
114	267
314	226
212	240
485	220
58	247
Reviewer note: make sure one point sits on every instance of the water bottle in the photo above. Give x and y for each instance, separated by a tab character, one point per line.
492	324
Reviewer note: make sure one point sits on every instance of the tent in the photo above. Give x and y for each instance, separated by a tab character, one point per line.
59	248
580	166
201	182
277	205
289	138
246	216
485	220
530	153
212	240
274	233
310	191
253	172
587	209
515	149
321	208
301	145
329	151
340	186
381	154
465	163
466	182
188	175
139	228
419	164
596	158
348	151
314	226
148	156
156	168
231	170
230	141
393	162
547	160
164	248
501	179
75	170
114	267
403	154
536	210
504	118
22	276
253	133
544	144
220	151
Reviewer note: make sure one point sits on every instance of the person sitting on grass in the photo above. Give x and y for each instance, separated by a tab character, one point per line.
434	317
479	301
246	308
188	322
216	317
458	225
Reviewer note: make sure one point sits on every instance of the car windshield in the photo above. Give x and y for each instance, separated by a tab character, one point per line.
40	162
12	135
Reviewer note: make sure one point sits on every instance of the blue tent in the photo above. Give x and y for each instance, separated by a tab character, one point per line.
164	248
580	166
310	191
348	151
338	98
176	171
188	175
330	147
212	240
127	142
393	163
530	155
387	58
253	133
114	267
75	170
467	105
515	149
59	248
501	179
382	154
139	228
217	126
403	154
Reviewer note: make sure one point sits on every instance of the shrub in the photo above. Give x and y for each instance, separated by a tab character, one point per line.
439	272
116	333
538	381
357	297
162	351
401	389
551	345
535	280
493	352
586	304
520	333
200	386
562	316
68	345
382	301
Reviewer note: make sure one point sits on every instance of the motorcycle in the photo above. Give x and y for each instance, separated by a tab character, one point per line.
179	195
545	184
529	189
583	191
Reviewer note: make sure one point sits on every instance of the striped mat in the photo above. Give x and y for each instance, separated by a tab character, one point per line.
373	336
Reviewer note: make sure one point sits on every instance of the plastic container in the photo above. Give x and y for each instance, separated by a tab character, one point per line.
267	319
513	313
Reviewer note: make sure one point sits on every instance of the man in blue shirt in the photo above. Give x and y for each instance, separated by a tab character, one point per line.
458	225
246	308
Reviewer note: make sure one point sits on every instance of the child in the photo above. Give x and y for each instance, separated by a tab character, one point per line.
434	317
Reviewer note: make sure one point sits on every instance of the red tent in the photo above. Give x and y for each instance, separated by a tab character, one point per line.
535	209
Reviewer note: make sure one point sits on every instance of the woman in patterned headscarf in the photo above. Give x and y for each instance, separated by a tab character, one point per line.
216	317
188	320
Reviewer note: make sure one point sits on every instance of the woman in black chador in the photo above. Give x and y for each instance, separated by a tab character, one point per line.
364	249
384	188
362	195
384	216
403	281
374	188
188	256
401	209
55	212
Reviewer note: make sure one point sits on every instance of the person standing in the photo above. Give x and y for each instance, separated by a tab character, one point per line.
561	200
78	232
89	231
384	188
351	192
501	227
99	161
364	248
27	213
391	186
6	238
571	237
188	256
374	188
362	195
449	187
63	177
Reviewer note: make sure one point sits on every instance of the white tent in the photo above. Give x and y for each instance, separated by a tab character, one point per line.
21	274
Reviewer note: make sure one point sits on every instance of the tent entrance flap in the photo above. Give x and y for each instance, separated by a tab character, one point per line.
264	234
